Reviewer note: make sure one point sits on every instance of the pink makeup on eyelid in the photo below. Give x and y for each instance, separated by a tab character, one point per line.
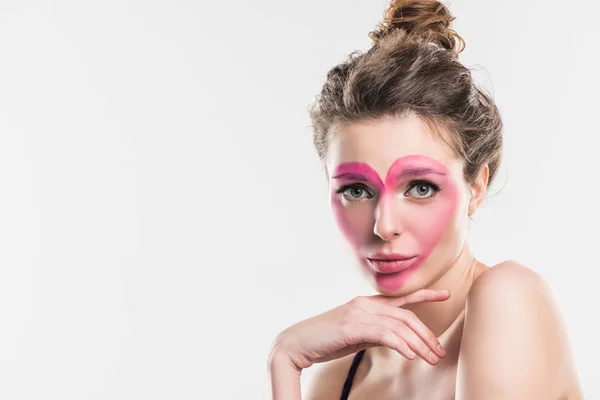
358	172
426	223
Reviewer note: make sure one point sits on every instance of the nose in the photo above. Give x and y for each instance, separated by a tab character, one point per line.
387	224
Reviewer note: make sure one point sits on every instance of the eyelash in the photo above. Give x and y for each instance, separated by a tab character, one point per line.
342	189
433	186
412	185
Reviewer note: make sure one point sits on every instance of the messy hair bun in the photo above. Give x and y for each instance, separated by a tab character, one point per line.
413	68
429	20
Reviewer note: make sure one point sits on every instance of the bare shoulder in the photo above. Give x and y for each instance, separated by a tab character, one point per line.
514	340
509	287
328	378
509	269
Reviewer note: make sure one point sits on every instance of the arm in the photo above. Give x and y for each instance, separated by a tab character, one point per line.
325	384
284	377
514	343
327	381
362	322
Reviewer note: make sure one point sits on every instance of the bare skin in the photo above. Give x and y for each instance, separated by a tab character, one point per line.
500	327
382	374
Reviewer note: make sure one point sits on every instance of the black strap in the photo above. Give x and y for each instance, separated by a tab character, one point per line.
351	372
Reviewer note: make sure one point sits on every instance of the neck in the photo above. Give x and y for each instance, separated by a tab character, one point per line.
457	278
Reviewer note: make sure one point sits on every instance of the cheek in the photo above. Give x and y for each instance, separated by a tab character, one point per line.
354	221
430	223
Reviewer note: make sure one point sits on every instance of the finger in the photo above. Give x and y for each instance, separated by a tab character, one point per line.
410	319
399	328
375	334
415	324
419	296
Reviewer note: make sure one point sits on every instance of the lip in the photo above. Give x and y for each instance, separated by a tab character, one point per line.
390	263
389	256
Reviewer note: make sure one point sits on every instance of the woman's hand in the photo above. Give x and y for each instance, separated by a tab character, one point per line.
363	322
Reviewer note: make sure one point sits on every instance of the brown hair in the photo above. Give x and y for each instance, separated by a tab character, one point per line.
412	67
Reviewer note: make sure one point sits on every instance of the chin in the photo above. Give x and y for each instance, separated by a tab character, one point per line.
395	291
398	284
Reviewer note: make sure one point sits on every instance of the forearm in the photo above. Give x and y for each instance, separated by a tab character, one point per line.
284	378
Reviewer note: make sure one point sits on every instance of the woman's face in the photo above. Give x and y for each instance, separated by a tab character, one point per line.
398	192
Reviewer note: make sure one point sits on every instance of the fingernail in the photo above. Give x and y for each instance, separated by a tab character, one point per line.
411	353
441	350
433	358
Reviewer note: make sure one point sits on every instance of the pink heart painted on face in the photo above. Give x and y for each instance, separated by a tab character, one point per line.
390	222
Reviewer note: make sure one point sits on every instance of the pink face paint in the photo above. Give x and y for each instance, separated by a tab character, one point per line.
418	224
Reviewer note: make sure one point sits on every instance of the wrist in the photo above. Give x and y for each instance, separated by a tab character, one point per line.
284	375
280	359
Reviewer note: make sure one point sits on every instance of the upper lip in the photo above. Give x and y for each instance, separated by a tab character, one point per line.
389	256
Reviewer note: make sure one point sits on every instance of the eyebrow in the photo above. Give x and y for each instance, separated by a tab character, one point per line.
352	177
411	172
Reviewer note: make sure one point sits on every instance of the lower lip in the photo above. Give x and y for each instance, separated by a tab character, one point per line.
391	266
392	275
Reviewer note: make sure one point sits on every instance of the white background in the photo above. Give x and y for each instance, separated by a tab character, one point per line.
163	214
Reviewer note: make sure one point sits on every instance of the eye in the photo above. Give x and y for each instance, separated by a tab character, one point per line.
423	189
354	192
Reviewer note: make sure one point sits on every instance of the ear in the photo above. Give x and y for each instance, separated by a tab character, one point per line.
478	189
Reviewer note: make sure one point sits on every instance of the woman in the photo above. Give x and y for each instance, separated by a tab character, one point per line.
410	146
